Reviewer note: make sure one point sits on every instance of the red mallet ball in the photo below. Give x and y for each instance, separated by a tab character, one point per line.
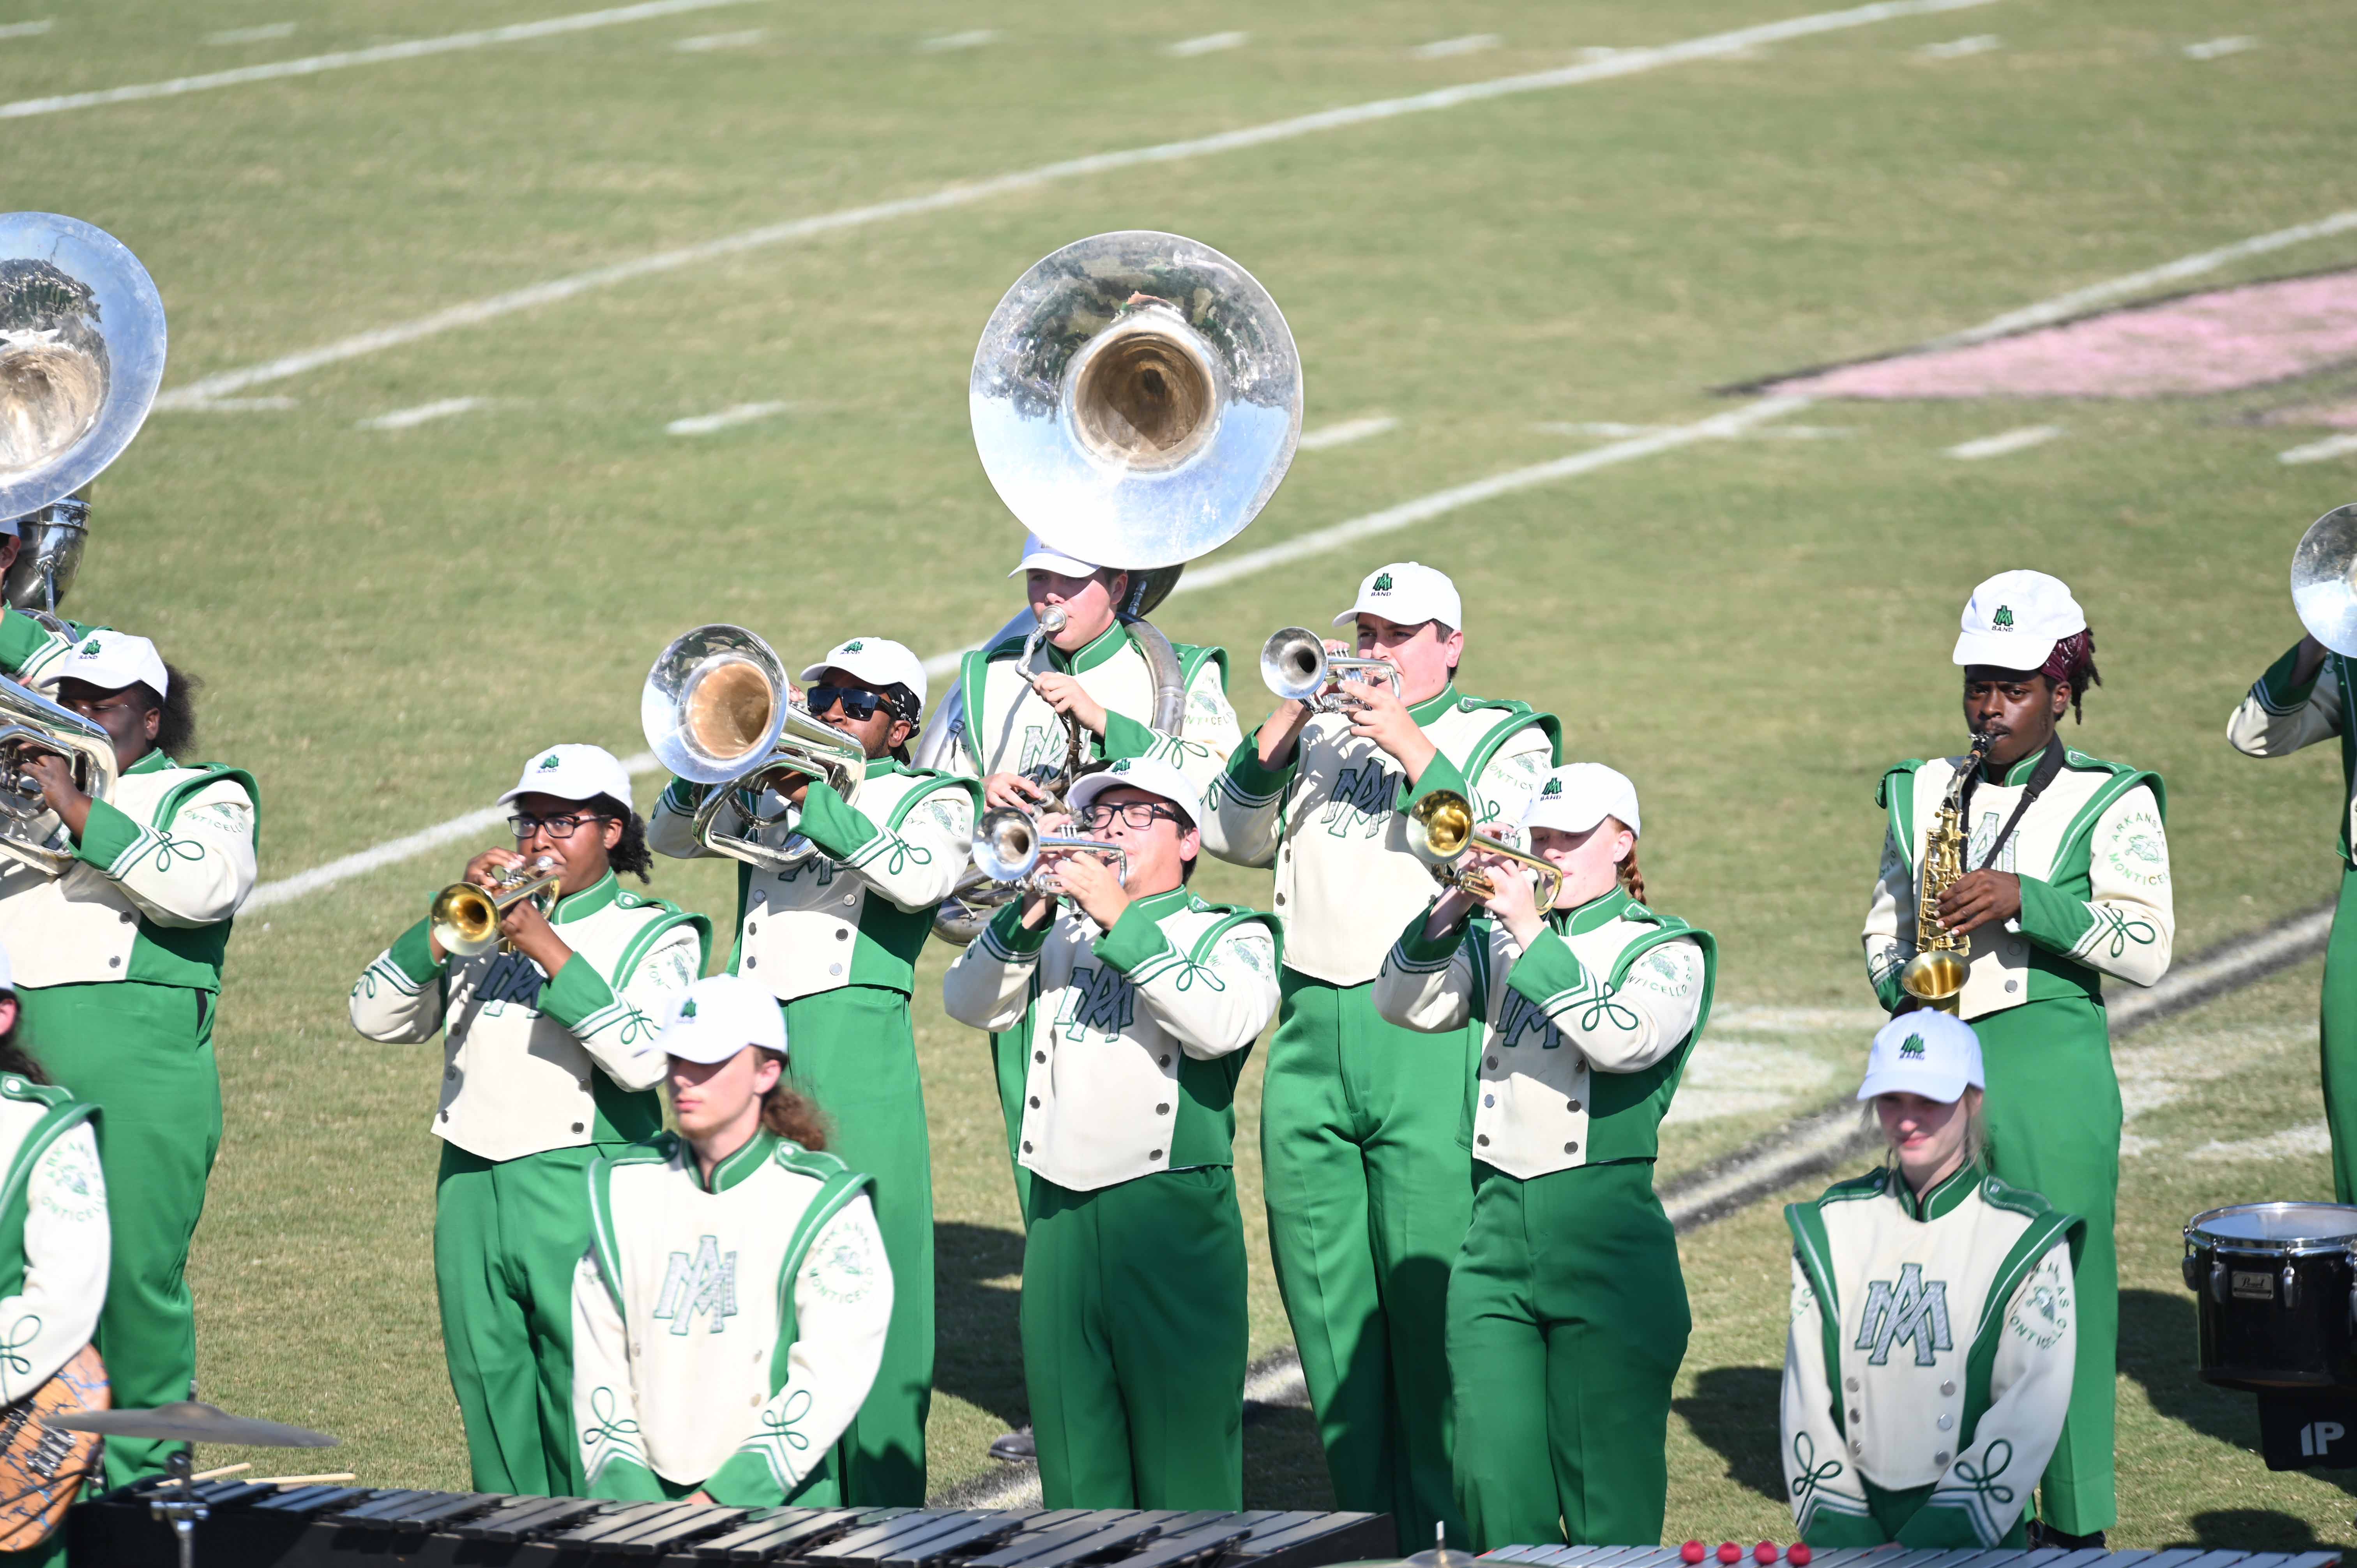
1798	1555
1764	1553
1729	1553
1692	1552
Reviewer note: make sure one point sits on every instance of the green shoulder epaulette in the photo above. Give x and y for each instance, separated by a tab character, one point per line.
2014	1199
1873	1184
655	1151
815	1163
1897	770
23	1088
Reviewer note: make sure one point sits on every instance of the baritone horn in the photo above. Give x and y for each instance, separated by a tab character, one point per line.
1007	844
2324	580
718	710
33	727
1440	834
465	918
1297	667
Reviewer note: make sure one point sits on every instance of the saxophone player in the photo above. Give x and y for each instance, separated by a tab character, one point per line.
2061	878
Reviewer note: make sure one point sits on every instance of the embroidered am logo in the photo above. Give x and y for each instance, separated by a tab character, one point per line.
706	1282
1519	1016
1097	1001
1908	1310
1362	800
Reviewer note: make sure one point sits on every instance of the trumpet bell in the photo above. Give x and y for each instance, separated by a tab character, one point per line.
1005	845
1136	397
464	921
1440	827
1293	663
2324	580
713	703
1935	978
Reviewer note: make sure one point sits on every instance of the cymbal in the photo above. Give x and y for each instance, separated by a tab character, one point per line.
191	1421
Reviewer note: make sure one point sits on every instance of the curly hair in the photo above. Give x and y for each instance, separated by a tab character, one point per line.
175	733
630	854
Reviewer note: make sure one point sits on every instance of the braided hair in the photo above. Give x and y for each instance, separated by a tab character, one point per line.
2073	661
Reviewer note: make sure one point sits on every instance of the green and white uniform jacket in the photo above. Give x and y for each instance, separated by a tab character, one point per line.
1949	1326
1137	1035
2278	718
723	1333
2092	856
533	1063
857	910
1008	729
1585	1036
53	1233
1330	822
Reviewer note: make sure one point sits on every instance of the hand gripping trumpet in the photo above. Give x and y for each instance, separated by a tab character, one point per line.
465	918
1935	975
1440	834
1297	666
1007	845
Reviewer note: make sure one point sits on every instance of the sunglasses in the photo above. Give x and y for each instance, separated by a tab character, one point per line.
855	702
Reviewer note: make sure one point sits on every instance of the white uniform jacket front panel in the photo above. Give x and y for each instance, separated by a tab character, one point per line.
1930	1345
858	908
532	1063
725	1333
1330	823
1585	1036
1135	1035
2280	716
2092	856
54	1237
170	851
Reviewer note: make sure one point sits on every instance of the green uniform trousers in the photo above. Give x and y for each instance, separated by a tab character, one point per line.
508	1235
2054	1128
1012	1068
2337	1030
1566	1322
1134	1341
1369	1192
854	1053
143	1054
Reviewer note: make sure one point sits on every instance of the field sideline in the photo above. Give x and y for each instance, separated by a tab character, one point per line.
1753	625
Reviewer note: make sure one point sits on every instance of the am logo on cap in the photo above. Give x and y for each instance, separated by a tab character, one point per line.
1383	583
1911	1049
851	647
549	763
2002	619
1554	788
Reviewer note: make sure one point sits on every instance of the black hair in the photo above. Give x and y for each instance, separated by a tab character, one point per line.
14	1058
906	705
631	853
175	733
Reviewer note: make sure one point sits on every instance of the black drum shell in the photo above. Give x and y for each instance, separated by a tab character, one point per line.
2256	1334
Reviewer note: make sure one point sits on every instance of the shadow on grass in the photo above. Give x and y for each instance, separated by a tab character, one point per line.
1734	1409
2253	1529
977	1338
1285	1467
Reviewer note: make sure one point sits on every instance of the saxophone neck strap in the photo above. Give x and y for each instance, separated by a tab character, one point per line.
2050	765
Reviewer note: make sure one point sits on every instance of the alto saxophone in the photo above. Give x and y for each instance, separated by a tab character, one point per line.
1935	975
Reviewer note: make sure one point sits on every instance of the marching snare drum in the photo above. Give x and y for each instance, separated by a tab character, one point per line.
2276	1306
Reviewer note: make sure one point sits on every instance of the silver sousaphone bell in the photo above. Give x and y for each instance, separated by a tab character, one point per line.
2324	580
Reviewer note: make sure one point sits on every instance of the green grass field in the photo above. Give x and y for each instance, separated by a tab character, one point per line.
390	621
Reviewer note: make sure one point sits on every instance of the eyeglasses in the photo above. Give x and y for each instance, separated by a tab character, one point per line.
1139	814
857	703
563	827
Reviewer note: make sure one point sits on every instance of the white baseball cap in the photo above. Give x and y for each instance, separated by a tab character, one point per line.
1930	1053
7	974
2014	621
721	1014
1578	795
878	660
1150	773
1037	555
113	660
572	773
1410	592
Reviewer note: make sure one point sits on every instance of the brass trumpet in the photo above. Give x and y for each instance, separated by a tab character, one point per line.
1297	666
465	918
1007	844
1440	834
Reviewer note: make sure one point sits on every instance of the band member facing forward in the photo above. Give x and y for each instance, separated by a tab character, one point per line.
1929	1366
1566	1307
118	965
1368	1189
1135	1009
2066	881
550	1060
834	938
732	1307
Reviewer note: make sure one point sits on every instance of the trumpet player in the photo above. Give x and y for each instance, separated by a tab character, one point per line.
1368	1189
834	938
118	943
1566	1307
2063	865
1135	1009
551	1061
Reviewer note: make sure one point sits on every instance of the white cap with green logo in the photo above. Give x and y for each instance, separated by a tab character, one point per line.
2013	620
721	1014
1150	773
878	660
1930	1053
572	773
1407	592
110	661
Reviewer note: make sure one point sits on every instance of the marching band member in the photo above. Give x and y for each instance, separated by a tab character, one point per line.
1566	1307
836	939
1134	1010
2066	882
1368	1190
733	1304
2305	697
1915	1408
550	1060
118	965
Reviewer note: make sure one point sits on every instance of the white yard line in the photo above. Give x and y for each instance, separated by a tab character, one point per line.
737	413
2004	441
1442	48
1346	432
2292	1143
1210	43
2318	451
27	29
1626	62
703	43
1957	48
2215	49
1609	429
423	413
245	405
971	39
343	59
262	33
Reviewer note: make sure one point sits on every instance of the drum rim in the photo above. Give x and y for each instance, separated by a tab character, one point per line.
2294	1247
